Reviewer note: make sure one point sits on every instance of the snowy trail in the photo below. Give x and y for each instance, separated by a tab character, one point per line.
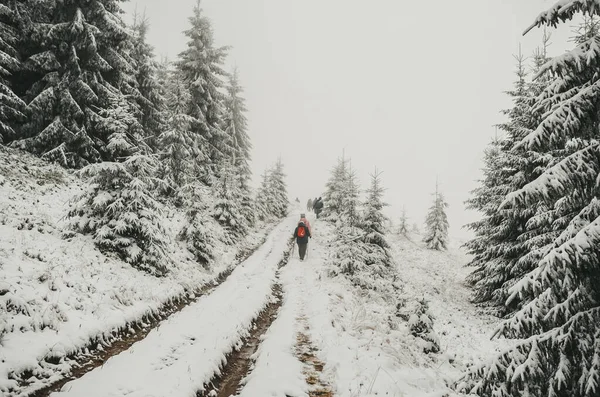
277	371
365	357
184	353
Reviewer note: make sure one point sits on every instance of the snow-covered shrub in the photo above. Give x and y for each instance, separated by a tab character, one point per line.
366	266
420	323
118	210
436	235
198	233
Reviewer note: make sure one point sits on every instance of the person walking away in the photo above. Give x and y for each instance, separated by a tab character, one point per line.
318	207
306	222
309	205
302	234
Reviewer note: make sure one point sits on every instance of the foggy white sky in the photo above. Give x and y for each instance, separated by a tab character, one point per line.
412	87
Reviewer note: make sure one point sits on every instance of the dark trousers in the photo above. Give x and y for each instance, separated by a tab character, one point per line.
302	249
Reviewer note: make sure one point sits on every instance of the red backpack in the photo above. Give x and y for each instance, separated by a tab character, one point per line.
301	231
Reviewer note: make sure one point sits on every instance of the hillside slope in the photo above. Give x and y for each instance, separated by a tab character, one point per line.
464	330
57	293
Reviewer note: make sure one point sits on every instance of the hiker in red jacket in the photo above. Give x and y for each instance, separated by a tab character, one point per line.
302	234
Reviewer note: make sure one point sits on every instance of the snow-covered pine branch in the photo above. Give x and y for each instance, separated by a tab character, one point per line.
76	57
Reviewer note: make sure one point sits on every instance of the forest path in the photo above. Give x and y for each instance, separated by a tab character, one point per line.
184	352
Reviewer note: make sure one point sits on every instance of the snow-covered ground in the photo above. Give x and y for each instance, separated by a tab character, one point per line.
464	330
363	352
57	294
184	353
277	371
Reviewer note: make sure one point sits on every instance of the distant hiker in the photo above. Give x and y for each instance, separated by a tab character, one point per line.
297	200
302	234
318	207
306	222
309	205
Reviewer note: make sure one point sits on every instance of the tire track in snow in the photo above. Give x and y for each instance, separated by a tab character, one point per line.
239	362
158	365
103	348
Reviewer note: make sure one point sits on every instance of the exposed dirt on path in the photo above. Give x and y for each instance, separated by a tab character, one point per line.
305	352
101	349
240	361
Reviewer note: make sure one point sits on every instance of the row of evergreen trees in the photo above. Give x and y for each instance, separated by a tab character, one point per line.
535	255
82	89
361	251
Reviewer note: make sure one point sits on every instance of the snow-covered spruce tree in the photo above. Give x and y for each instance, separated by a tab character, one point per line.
559	319
420	322
118	210
177	145
200	68
415	229
77	67
261	201
436	223
236	127
351	209
377	258
200	238
335	189
11	106
342	193
277	199
403	223
497	245
228	206
151	100
373	219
